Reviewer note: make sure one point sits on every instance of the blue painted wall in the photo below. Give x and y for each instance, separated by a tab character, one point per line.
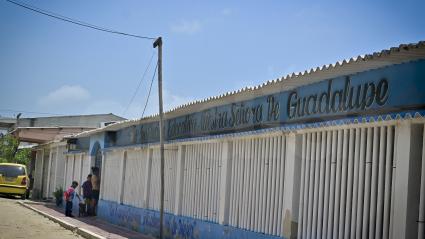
147	222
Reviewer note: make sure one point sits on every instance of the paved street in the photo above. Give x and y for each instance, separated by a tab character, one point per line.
19	222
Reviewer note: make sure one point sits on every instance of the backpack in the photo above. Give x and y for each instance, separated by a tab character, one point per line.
67	194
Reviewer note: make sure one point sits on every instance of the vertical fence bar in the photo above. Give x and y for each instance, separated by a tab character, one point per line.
311	185
281	155
327	184
361	185
257	174
350	168
421	219
300	211
269	182
255	184
329	229
372	216
368	176
381	176
307	185
232	187
355	183
317	166
343	184
278	174
251	184
338	185
388	179
320	208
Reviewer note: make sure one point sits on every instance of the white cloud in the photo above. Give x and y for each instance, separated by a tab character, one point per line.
288	70
226	11
187	27
64	95
171	100
103	106
74	99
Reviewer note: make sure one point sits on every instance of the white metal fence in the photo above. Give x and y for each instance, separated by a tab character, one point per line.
258	166
346	177
346	183
170	156
201	181
111	176
134	177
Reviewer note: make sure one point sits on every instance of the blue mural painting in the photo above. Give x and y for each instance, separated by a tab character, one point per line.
147	222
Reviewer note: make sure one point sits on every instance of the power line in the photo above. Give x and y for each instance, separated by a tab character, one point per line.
150	88
140	83
29	112
74	21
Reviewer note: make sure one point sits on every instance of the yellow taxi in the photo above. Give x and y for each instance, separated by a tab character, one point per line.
13	179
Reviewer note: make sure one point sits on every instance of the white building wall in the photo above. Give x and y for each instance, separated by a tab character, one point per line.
77	171
45	172
60	167
38	174
86	168
69	175
51	174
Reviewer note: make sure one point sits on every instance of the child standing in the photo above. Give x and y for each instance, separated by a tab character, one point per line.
69	195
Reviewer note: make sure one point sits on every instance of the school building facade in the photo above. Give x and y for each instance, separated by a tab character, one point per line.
333	152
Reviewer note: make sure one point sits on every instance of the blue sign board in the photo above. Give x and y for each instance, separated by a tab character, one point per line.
389	89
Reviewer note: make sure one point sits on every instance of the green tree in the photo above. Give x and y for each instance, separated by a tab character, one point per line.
23	156
8	147
9	152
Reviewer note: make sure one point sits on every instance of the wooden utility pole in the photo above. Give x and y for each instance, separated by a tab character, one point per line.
158	43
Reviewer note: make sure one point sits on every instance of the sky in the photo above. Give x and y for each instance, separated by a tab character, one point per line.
50	67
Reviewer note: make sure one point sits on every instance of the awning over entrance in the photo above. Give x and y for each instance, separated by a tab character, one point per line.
45	134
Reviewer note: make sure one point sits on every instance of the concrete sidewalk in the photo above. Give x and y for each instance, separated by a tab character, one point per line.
88	227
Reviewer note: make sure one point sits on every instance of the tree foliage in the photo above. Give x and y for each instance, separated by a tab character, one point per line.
9	152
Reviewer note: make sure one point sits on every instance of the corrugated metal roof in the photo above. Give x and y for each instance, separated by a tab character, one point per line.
395	55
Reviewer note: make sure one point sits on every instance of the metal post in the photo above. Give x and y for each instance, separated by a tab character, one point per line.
158	43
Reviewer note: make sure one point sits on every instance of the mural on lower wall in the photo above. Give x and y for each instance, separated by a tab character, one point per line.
147	222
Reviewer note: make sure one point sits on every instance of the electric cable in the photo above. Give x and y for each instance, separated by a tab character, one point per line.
29	112
150	88
74	21
140	83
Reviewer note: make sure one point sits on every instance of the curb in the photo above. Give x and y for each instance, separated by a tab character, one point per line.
80	231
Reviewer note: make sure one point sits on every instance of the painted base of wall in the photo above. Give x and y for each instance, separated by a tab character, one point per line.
147	222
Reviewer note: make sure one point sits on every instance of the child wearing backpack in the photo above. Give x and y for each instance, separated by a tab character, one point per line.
69	195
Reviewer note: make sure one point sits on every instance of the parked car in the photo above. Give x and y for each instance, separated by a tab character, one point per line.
13	179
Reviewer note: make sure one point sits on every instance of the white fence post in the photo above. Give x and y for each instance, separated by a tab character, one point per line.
179	179
122	177
225	182
56	169
147	178
291	185
102	179
407	180
49	166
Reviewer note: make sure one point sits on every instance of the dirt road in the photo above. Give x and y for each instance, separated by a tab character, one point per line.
19	222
